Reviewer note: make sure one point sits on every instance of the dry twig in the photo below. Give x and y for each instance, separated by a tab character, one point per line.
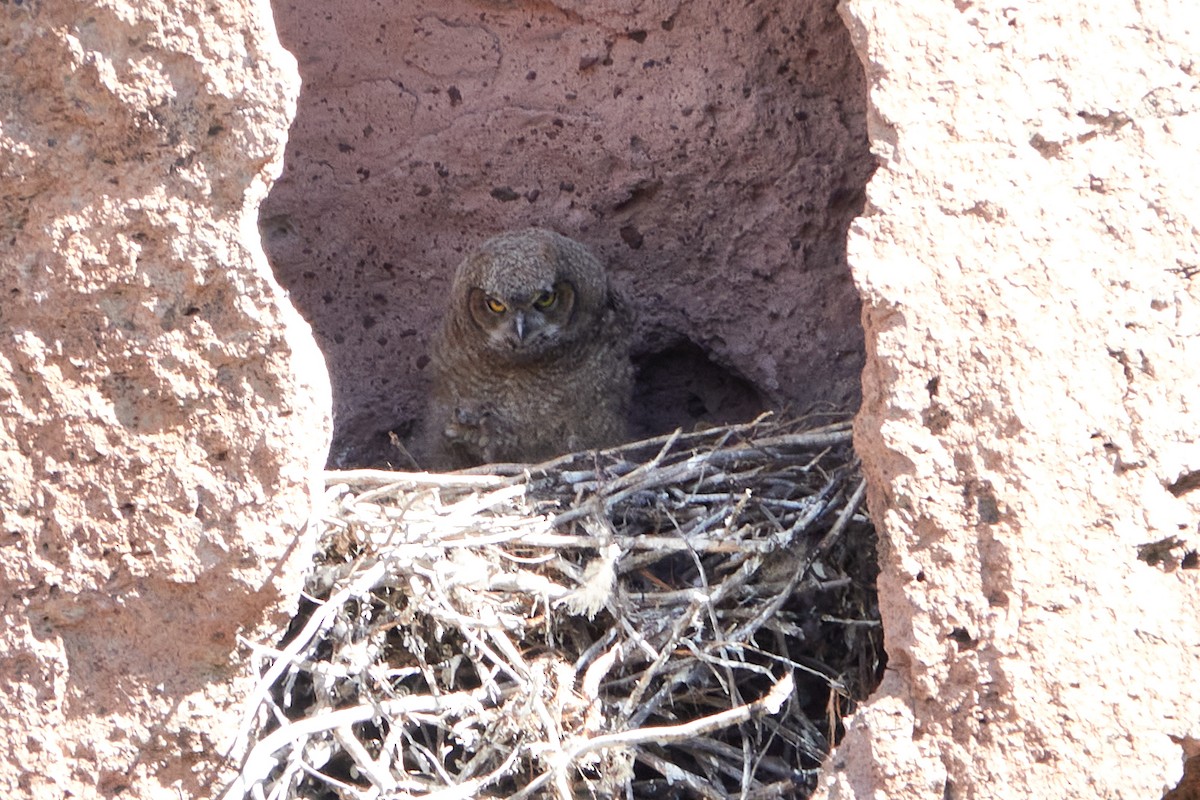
596	626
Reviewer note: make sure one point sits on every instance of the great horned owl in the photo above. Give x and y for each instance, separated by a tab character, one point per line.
532	358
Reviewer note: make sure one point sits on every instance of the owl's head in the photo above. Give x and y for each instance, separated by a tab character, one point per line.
530	293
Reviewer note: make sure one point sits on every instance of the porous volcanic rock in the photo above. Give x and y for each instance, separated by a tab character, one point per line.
1031	285
711	153
1027	261
162	407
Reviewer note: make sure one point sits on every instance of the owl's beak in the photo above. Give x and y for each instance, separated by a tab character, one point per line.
519	324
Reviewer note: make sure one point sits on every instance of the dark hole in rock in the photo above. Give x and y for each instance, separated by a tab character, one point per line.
680	387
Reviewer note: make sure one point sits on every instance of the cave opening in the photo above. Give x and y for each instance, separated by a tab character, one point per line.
713	158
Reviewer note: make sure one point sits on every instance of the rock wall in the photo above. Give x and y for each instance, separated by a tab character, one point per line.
712	154
162	408
1030	276
1027	262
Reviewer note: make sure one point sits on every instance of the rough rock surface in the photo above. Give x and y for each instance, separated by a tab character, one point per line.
1027	260
1031	286
162	408
711	153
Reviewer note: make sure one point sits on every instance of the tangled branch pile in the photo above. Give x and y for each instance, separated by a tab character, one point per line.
685	616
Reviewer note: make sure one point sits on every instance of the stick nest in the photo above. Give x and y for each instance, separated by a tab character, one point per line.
686	616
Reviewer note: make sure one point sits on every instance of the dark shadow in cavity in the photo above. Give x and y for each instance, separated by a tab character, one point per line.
679	386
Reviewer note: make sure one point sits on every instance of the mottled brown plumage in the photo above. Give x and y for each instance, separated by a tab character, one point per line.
532	358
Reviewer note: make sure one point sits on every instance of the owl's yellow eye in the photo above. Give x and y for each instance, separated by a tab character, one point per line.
544	300
495	306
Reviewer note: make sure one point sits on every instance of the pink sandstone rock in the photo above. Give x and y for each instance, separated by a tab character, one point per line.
1030	276
1027	261
712	154
162	408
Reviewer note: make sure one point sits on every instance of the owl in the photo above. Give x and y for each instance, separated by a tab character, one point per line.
532	357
